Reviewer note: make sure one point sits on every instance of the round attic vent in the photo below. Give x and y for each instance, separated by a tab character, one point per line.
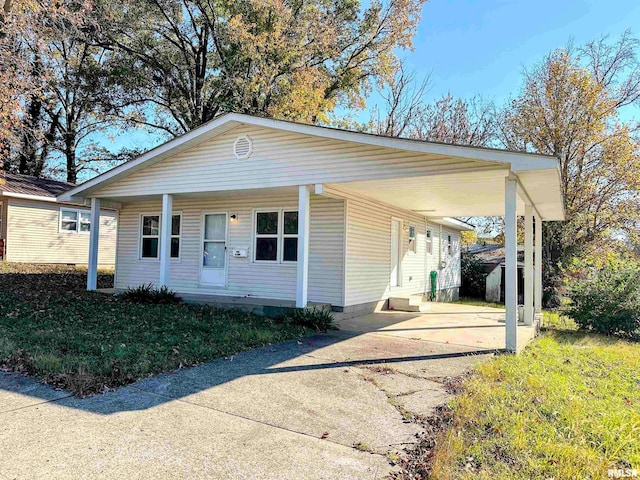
242	147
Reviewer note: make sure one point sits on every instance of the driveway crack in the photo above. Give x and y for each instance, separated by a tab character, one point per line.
44	402
350	447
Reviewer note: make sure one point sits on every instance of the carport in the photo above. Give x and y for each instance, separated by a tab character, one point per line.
475	181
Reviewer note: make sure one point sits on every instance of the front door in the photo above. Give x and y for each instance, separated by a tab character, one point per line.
213	270
396	229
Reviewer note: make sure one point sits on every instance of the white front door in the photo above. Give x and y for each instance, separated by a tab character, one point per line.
213	270
396	244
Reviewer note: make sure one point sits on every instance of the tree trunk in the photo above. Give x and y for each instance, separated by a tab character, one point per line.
70	154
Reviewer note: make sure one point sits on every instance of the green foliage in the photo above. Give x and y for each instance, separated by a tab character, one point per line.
473	277
52	328
147	293
318	319
607	300
570	106
566	407
189	61
556	320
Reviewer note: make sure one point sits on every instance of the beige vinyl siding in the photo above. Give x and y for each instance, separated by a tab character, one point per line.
369	252
33	235
278	159
326	251
244	277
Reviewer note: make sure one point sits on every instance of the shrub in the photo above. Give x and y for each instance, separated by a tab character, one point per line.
149	294
473	277
318	319
607	300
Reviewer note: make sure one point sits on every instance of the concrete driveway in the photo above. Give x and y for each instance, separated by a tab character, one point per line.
333	406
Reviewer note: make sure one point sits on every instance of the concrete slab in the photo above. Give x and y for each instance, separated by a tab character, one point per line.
18	391
422	403
449	323
394	384
412	357
258	414
64	440
303	394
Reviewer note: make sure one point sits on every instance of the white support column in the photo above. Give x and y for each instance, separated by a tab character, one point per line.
94	236
303	246
511	264
165	239
528	265
538	267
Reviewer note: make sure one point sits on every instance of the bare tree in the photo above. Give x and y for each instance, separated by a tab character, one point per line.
457	121
404	97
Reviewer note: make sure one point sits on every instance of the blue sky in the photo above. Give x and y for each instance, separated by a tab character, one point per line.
481	47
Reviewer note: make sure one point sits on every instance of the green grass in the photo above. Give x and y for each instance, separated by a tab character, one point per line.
568	407
554	320
50	327
474	302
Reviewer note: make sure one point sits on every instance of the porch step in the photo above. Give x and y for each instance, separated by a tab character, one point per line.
408	303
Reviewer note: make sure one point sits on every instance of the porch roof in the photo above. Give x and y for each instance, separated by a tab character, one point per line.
451	181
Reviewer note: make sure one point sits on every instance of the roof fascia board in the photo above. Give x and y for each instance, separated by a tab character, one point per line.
26	196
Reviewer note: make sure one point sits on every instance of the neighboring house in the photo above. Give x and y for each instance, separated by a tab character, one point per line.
493	264
35	228
254	207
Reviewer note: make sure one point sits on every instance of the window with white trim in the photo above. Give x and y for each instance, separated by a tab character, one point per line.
429	240
275	236
74	220
290	236
150	235
412	239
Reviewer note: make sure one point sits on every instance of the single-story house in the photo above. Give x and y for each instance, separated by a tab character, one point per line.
493	264
35	228
246	206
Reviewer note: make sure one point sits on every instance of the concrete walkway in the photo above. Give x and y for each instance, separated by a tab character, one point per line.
332	406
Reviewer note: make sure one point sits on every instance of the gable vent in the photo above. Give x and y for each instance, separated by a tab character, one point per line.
242	147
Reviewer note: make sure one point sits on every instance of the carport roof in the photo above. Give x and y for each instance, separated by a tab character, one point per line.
471	192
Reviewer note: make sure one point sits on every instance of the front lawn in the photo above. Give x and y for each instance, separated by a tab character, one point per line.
50	327
567	407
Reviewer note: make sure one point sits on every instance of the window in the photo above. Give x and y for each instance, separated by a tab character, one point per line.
150	236
85	221
449	246
73	220
429	241
176	221
412	239
266	237
276	236
290	237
